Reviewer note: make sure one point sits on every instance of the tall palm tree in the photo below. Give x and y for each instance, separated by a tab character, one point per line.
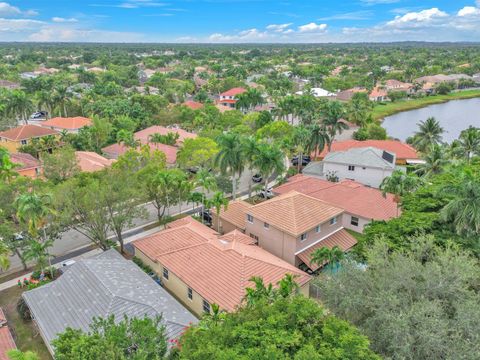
429	133
45	100
219	201
468	143
324	255
269	160
19	104
62	98
38	251
318	139
333	113
399	184
250	148
435	161
4	256
464	209
230	158
206	182
301	141
34	210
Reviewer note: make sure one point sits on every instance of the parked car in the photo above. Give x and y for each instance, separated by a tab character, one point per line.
305	160
39	115
257	178
207	217
266	194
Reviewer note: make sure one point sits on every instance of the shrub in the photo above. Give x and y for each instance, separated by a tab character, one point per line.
23	309
142	265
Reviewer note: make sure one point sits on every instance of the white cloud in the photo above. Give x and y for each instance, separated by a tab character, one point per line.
312	27
417	18
63	20
56	34
469	11
278	27
7	10
18	25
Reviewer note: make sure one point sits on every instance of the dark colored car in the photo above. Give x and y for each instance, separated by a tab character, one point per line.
257	178
39	115
305	160
207	217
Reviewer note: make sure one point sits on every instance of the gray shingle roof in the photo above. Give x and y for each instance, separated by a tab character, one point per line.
101	286
367	157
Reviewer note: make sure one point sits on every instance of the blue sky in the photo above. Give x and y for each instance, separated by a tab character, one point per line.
233	21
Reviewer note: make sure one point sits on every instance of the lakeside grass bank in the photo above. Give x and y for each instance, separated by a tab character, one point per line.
382	110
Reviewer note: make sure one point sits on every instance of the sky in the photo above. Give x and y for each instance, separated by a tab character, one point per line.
239	21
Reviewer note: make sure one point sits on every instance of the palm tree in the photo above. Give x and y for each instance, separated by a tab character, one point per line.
45	100
464	209
429	133
4	256
435	161
38	251
206	182
259	293
318	138
468	143
287	286
269	160
34	210
19	104
399	184
126	137
334	112
250	148
324	255
218	201
168	139
301	140
62	97
230	158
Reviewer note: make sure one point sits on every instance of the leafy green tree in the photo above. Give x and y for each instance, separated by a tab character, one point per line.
16	354
34	210
429	133
417	304
435	161
274	323
60	165
167	139
134	338
230	158
399	184
359	108
325	255
269	160
468	144
206	181
4	256
38	252
7	167
134	160
197	153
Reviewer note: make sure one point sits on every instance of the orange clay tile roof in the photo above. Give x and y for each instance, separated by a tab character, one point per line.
377	92
227	101
144	135
233	92
25	132
355	198
235	213
25	161
115	150
294	212
216	267
69	123
89	161
194	105
6	339
340	238
238	236
402	150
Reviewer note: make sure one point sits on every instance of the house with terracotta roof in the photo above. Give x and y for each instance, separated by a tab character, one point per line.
27	165
378	94
361	203
89	161
229	98
396	85
6	339
404	153
144	136
194	105
16	137
69	124
201	267
5	84
290	226
367	165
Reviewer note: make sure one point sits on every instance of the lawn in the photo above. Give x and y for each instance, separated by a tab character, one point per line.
382	110
25	334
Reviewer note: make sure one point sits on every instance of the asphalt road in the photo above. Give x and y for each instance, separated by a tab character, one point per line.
72	241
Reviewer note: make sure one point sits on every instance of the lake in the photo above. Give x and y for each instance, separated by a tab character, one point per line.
454	116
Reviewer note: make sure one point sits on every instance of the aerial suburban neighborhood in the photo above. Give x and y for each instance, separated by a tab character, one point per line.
239	180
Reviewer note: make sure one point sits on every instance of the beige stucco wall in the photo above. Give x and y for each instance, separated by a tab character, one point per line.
225	226
362	222
175	286
325	230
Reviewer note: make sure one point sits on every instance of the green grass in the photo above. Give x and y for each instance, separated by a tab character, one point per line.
25	333
382	110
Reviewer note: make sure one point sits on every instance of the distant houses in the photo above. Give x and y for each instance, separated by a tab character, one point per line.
89	161
14	138
27	165
68	124
101	286
229	98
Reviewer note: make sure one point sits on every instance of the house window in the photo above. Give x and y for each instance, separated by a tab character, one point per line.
351	168
354	221
255	237
266	225
250	218
165	273
24	142
206	306
333	221
303	237
190	293
318	229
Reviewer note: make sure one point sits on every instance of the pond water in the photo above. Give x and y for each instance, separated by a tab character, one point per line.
454	116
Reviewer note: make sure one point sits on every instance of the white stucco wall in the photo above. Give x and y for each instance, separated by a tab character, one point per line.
365	175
